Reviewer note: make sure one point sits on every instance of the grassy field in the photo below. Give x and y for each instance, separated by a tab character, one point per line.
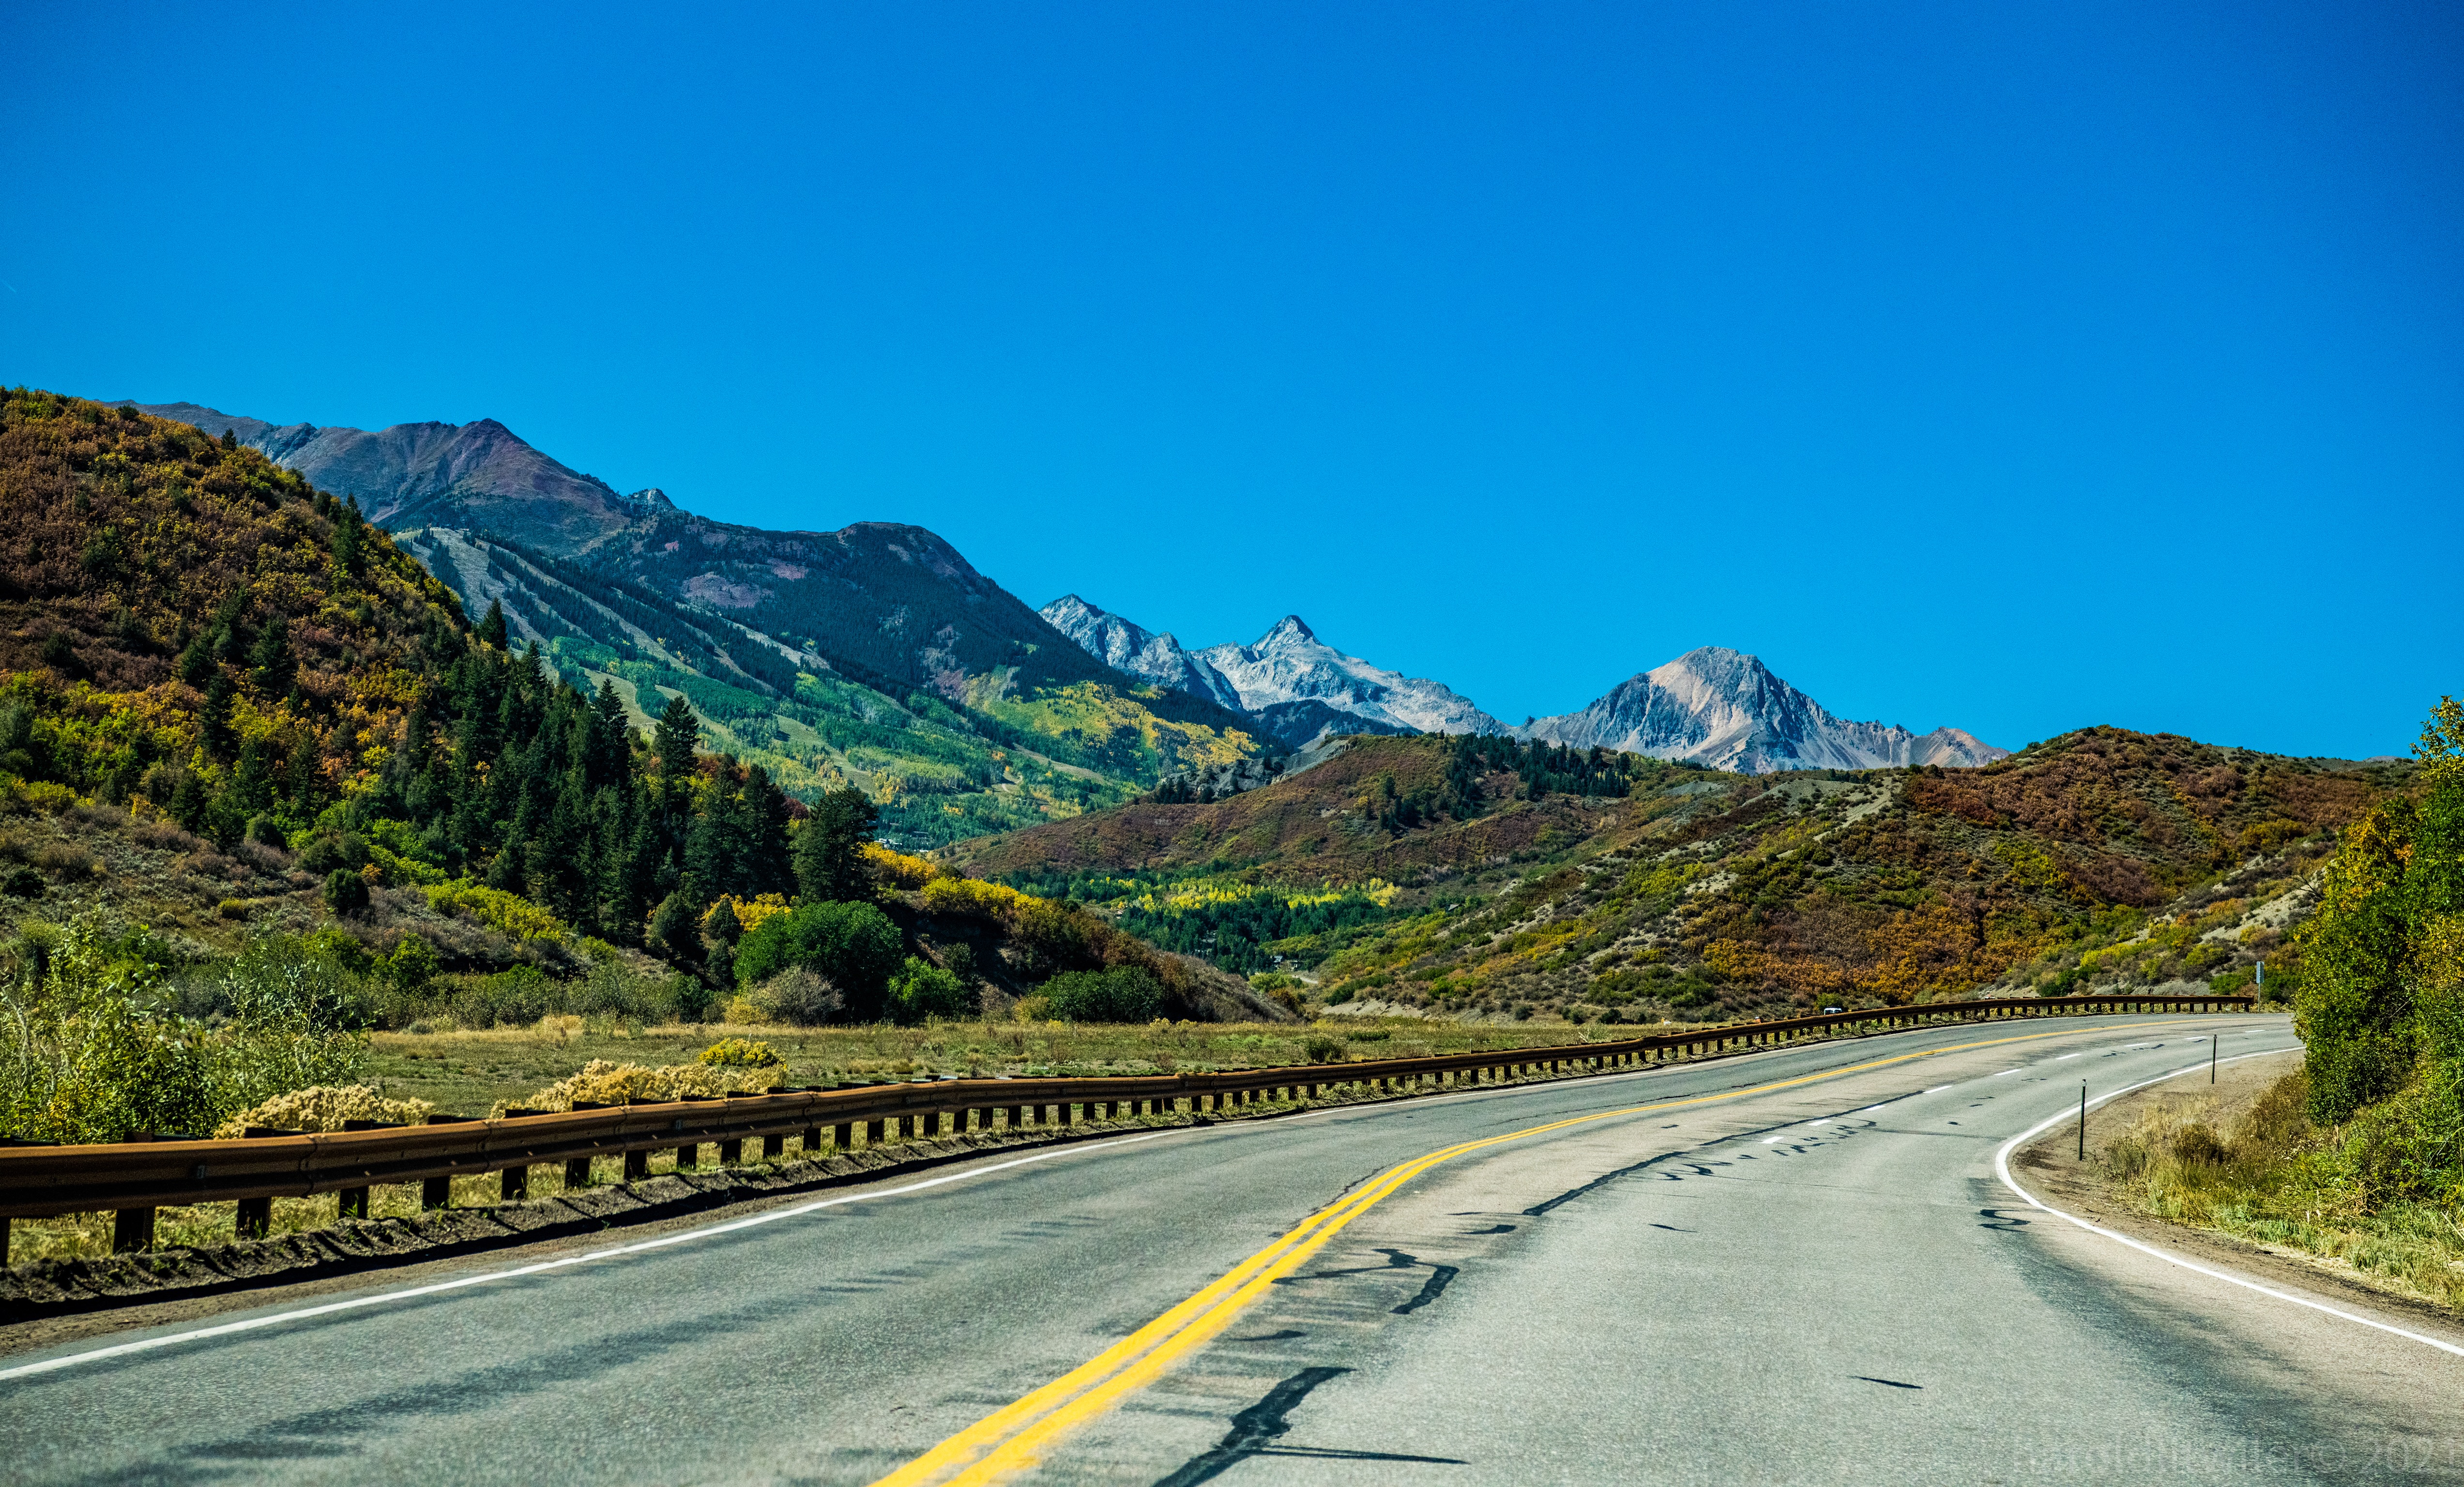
470	1073
2249	1165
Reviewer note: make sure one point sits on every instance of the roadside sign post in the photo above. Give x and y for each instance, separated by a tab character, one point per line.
2083	1155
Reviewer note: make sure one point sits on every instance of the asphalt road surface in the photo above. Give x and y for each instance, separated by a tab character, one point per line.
1794	1267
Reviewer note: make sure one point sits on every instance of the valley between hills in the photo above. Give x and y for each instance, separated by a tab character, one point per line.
1704	842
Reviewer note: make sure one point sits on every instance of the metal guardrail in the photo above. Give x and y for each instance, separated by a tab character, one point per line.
133	1178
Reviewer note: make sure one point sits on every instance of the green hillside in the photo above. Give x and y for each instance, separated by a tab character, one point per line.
229	708
1468	878
1044	734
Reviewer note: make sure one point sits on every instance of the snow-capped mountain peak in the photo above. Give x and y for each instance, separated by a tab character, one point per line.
1724	709
1289	663
1148	656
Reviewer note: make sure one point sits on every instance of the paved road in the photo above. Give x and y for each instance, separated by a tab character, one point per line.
1819	1281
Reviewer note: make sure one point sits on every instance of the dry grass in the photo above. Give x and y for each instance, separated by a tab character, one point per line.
2263	1174
469	1073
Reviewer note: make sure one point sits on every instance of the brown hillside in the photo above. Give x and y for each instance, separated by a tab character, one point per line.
2103	856
1319	825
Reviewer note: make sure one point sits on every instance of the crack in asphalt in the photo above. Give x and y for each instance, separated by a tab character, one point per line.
1256	1429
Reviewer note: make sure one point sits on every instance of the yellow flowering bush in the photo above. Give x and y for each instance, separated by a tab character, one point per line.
606	1081
326	1107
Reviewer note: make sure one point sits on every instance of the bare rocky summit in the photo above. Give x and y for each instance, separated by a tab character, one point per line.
1724	709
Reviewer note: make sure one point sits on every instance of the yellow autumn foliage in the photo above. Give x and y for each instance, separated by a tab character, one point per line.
606	1081
898	869
326	1107
497	909
749	911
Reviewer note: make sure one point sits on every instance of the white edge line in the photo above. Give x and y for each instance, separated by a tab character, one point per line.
2002	1171
408	1293
774	1215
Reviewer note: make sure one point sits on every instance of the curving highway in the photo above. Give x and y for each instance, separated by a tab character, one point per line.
1798	1266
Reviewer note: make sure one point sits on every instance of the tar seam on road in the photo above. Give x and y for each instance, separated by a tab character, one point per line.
2002	1170
1012	1438
409	1293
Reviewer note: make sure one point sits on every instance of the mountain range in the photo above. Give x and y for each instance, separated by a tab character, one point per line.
895	608
1296	687
1711	706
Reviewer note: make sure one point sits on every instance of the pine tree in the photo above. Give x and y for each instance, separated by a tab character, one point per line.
829	847
492	629
678	733
214	719
271	657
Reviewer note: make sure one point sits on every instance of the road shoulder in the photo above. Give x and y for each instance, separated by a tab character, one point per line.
2048	1166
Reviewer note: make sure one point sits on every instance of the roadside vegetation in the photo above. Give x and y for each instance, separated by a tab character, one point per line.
2358	1157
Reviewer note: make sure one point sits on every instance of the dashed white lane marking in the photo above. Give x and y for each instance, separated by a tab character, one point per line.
1939	1088
2002	1170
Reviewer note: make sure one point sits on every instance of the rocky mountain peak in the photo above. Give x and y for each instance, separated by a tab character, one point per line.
1157	659
1725	709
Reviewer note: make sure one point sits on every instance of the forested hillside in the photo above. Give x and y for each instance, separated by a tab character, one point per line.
1007	753
235	717
874	656
1465	877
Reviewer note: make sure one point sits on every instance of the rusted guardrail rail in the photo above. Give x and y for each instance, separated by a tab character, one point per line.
133	1178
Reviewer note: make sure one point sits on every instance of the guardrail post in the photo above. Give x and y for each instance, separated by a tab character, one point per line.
688	1157
577	1173
433	1192
132	1229
637	1165
873	1131
515	1183
731	1153
843	1136
255	1219
351	1203
773	1145
812	1142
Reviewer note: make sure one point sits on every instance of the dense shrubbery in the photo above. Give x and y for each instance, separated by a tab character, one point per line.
93	1044
2381	1004
326	1107
853	945
921	990
603	1082
1125	993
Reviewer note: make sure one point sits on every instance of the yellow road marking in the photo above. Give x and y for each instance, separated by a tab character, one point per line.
1010	1439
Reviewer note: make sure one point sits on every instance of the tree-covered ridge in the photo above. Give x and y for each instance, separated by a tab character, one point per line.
1008	753
172	610
2099	858
250	659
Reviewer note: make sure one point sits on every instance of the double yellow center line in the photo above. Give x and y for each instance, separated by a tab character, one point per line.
1012	1439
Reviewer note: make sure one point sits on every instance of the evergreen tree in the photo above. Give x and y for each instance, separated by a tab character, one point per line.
271	657
492	629
678	733
214	719
829	847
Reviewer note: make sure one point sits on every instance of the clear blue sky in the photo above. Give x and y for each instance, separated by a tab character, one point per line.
2014	367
